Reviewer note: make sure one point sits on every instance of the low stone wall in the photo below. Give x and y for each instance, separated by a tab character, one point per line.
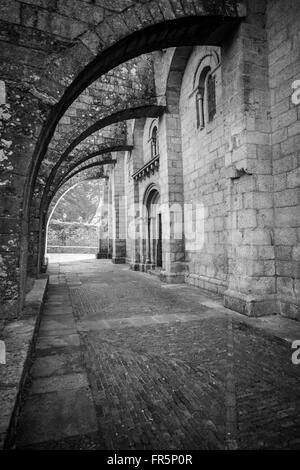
72	249
19	337
72	234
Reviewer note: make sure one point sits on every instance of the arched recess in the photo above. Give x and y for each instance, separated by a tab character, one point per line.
172	92
82	169
91	173
173	85
211	24
59	197
204	97
50	190
153	221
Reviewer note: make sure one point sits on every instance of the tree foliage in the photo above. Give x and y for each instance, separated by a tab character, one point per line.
80	204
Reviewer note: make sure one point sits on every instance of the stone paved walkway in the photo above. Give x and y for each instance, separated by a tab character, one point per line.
126	362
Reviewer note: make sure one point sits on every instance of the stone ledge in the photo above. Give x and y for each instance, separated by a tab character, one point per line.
262	305
252	305
289	308
208	283
275	327
19	337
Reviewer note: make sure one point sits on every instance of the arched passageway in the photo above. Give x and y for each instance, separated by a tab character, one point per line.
75	72
192	101
73	221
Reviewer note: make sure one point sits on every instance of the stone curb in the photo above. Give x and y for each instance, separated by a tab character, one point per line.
274	333
19	337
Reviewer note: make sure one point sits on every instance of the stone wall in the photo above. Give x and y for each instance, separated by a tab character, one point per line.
135	191
241	171
72	234
204	179
284	69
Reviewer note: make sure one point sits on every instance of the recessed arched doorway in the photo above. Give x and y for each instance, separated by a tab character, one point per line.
154	228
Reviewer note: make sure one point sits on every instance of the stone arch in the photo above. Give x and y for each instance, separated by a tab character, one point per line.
153	246
42	195
60	196
211	60
99	159
129	113
205	95
82	168
178	63
149	191
107	147
112	38
210	25
89	173
134	111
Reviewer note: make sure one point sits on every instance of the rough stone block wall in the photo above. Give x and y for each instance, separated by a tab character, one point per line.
204	183
171	184
35	36
248	161
284	69
72	234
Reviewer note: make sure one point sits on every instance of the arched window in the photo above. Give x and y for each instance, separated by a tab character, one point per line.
211	97
205	98
154	142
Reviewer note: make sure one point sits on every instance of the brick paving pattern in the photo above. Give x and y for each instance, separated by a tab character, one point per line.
126	362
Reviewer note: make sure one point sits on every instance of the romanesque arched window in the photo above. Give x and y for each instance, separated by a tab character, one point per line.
205	98
154	142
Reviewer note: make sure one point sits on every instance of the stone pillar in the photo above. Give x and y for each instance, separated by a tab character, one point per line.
171	199
134	228
110	214
250	221
118	213
103	252
18	139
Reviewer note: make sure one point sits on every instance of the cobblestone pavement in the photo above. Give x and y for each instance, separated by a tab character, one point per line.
124	361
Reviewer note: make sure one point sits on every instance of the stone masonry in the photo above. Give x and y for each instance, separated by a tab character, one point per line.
218	79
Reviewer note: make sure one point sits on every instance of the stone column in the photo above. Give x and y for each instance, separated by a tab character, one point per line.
103	252
18	139
171	199
118	212
134	229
